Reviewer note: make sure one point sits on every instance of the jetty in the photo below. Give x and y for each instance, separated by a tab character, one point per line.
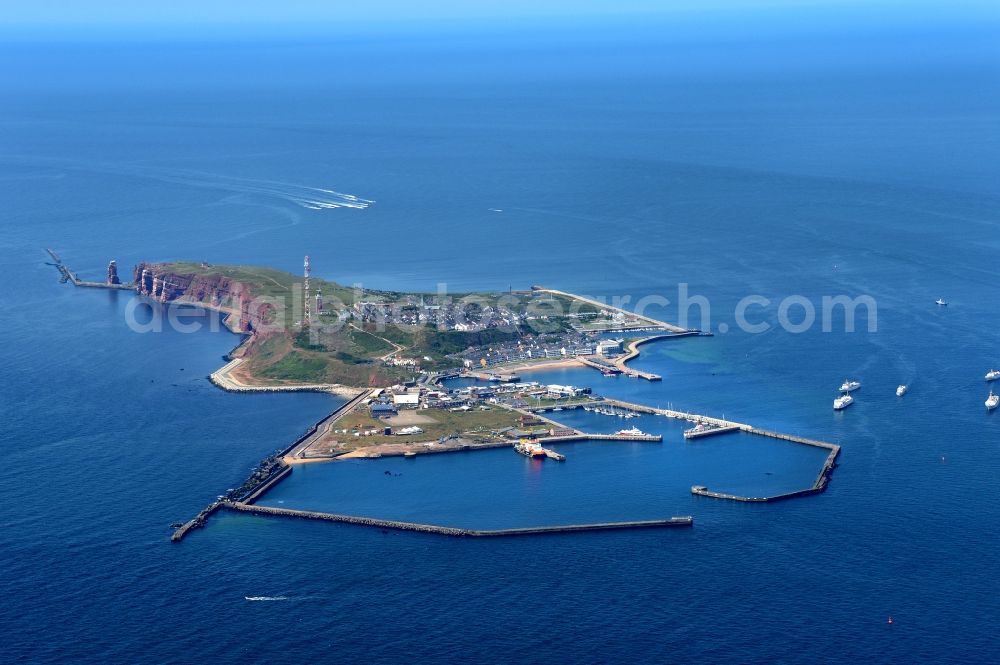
297	450
722	425
583	436
69	276
197	522
454	531
711	430
619	368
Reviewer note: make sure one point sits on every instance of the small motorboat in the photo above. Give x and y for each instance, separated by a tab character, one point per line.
941	301
901	390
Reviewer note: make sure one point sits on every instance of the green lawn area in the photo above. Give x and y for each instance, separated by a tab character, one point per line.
476	425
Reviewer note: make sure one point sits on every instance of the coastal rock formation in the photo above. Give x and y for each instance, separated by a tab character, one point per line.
113	273
217	292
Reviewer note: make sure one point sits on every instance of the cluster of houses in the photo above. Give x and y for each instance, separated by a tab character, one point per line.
446	315
607	348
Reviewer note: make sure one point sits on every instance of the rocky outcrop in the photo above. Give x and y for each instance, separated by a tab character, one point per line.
211	290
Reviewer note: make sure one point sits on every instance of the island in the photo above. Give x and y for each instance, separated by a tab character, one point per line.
388	354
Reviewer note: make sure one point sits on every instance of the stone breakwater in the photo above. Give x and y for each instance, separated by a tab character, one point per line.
455	531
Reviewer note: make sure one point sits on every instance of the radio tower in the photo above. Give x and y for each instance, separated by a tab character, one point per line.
305	288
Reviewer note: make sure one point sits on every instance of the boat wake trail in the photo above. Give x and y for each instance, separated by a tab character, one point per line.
312	198
265	598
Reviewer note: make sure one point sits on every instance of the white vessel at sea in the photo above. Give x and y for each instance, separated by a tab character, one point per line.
634	432
848	386
940	301
993	375
842	402
992	401
901	390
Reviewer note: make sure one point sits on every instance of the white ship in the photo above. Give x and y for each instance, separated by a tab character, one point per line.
699	430
940	301
529	449
993	375
634	431
992	401
848	386
901	390
842	402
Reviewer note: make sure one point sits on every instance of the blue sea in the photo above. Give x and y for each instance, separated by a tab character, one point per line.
803	160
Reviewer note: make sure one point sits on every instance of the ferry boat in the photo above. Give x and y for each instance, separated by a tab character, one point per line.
901	390
992	401
699	429
633	431
848	386
993	375
940	301
529	449
843	402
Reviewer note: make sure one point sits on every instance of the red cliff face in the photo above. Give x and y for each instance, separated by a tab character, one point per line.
215	291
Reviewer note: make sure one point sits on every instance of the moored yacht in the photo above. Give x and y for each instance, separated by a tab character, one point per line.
993	375
848	386
843	402
992	401
901	390
634	431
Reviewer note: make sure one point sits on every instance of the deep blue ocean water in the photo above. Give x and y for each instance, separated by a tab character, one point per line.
621	169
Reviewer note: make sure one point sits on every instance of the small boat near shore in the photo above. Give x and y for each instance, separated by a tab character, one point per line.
901	390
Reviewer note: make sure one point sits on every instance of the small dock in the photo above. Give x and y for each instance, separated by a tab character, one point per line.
619	368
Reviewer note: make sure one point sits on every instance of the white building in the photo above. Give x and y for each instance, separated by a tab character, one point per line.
610	347
406	399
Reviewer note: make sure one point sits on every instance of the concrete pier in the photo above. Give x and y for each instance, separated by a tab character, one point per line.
822	479
701	434
454	531
69	276
297	450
